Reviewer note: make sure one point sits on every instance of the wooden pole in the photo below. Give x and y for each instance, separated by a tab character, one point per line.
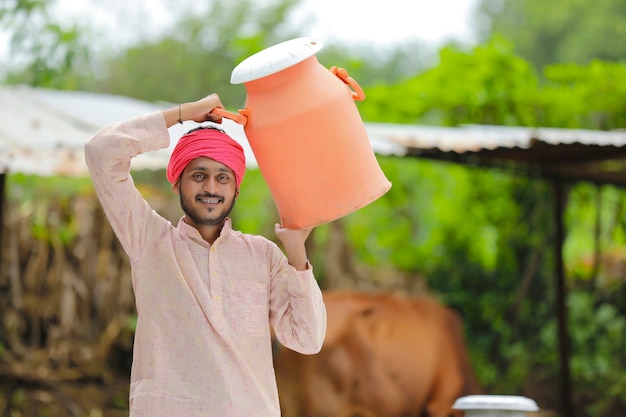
561	295
2	207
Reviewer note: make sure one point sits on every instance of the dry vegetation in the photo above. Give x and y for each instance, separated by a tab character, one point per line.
67	309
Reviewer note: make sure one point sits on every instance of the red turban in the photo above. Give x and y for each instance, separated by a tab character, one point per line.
211	143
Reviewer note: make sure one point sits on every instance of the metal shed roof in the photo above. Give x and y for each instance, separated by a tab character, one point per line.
576	154
43	131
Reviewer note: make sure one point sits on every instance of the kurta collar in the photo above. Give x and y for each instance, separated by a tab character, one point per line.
194	234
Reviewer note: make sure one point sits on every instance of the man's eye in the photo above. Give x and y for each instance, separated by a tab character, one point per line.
198	176
223	178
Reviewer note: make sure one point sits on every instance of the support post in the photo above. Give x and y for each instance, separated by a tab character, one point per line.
3	176
560	196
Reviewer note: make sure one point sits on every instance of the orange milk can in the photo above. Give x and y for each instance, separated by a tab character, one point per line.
306	134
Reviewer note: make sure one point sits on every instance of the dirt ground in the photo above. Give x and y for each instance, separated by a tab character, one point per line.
80	399
65	399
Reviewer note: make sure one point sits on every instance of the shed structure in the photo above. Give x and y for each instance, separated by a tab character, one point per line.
561	156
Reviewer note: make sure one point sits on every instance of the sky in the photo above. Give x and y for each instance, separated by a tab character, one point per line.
377	22
382	21
363	21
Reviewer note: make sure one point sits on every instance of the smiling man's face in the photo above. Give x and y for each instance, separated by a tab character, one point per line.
207	190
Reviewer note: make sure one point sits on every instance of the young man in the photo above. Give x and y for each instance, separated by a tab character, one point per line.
206	295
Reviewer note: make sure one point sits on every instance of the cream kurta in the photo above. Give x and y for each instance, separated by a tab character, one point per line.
203	342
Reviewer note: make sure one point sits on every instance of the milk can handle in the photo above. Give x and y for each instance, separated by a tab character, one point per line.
240	117
358	93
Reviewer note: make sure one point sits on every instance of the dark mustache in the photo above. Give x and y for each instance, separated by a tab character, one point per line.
209	195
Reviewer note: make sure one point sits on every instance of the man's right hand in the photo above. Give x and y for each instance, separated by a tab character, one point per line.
198	111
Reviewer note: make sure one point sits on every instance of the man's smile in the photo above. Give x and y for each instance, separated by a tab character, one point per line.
209	200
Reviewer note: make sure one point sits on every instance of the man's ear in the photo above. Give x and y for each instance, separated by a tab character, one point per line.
176	186
237	192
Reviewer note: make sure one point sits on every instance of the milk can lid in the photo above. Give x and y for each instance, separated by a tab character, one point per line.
495	402
275	58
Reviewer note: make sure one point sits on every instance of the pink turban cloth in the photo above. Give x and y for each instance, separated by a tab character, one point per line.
210	143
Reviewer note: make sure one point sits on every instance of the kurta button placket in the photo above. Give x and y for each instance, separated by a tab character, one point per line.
215	286
216	295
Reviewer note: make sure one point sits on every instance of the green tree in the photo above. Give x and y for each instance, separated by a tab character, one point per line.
487	85
197	58
196	55
558	31
491	84
43	52
591	96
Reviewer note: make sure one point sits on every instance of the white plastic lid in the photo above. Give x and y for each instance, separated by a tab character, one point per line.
495	402
273	59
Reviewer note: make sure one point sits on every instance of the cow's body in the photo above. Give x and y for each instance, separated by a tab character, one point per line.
384	356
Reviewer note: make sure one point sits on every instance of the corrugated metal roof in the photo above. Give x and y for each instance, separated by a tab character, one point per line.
576	154
473	138
43	132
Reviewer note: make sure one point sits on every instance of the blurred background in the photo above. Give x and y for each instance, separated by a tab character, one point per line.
480	241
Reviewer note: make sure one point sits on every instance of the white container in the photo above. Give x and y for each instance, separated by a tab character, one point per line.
495	405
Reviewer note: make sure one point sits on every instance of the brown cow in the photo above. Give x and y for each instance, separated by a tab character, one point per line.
384	356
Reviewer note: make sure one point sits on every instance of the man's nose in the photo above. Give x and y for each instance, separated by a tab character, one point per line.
211	185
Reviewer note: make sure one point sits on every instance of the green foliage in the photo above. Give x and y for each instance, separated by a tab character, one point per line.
595	222
43	52
30	188
193	59
31	191
558	31
425	202
591	96
488	85
255	211
492	85
197	58
597	329
132	323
